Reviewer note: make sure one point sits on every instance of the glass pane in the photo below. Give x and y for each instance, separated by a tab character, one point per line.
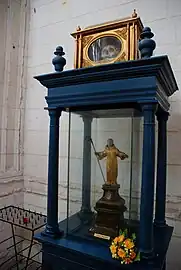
75	164
136	169
104	49
103	172
63	160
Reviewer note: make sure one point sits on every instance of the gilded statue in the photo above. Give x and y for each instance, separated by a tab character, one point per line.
111	153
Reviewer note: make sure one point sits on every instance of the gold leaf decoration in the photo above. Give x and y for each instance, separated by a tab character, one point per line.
122	57
86	40
86	63
122	32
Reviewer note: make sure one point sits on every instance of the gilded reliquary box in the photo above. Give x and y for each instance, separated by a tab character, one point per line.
108	43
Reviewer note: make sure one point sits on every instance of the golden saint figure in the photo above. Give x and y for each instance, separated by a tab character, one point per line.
111	152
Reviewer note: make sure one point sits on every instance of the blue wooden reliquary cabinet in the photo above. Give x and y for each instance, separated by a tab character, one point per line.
141	86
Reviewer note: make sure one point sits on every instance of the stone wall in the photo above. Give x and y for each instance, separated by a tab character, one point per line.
12	47
51	23
12	85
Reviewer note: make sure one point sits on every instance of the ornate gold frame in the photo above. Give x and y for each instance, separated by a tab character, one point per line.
86	45
126	30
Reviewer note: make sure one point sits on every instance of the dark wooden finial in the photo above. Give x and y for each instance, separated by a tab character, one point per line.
78	28
134	15
59	61
146	44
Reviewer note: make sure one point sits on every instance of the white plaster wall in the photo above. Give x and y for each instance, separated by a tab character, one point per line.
51	22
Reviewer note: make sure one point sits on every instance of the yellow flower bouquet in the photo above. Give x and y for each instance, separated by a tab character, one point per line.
124	249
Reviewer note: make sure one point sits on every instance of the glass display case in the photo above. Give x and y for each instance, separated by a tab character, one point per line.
104	172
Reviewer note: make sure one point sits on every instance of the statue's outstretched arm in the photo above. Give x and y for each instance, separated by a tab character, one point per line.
121	154
101	155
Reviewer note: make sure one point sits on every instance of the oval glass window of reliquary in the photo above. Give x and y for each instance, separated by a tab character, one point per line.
105	49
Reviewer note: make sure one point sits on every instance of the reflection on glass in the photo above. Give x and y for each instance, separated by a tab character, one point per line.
104	49
87	135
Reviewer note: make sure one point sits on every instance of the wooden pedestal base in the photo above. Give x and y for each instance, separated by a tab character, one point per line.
110	213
